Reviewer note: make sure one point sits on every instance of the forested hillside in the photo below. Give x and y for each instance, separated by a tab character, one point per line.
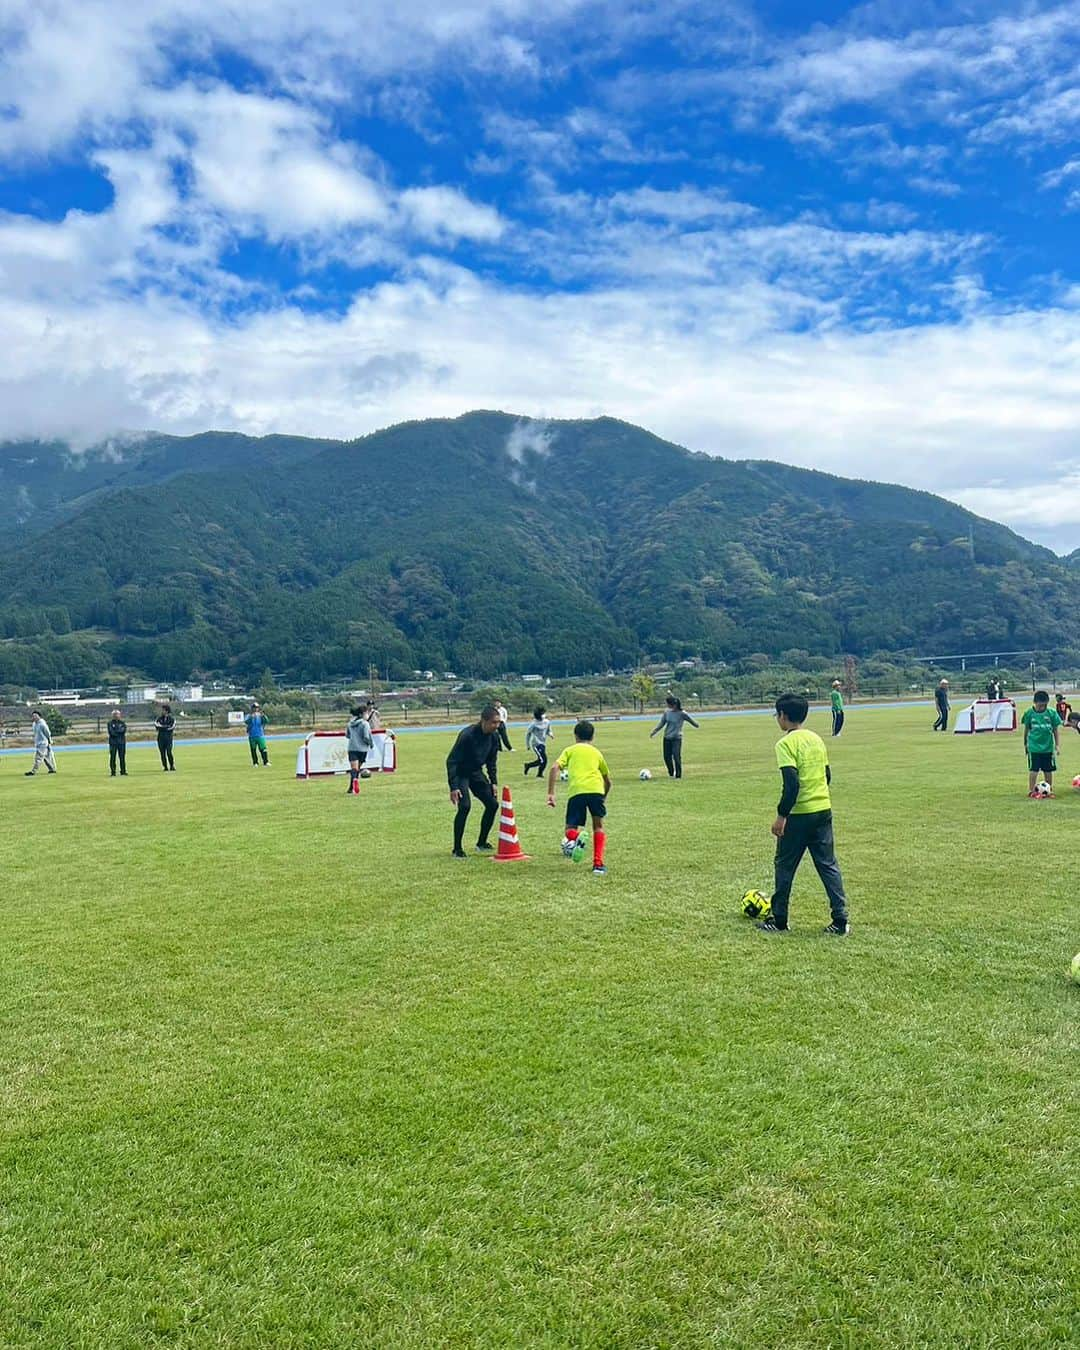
485	544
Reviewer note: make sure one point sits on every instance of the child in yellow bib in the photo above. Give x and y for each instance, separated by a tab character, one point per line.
589	783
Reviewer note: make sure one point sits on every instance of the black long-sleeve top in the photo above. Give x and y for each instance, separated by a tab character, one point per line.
941	697
117	730
165	724
474	751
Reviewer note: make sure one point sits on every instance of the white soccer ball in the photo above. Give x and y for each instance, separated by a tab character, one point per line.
1043	788
645	775
564	776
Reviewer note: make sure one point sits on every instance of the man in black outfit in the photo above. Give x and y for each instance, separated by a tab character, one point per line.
166	725
472	769
117	743
941	701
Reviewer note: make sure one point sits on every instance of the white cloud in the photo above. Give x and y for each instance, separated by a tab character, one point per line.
441	212
267	161
529	437
943	407
68	66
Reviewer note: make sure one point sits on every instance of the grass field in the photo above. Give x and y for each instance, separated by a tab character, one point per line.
277	1072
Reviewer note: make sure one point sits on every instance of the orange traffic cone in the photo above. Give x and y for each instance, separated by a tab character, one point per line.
509	849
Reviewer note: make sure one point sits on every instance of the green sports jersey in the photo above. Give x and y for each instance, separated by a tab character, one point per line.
804	751
837	701
1040	728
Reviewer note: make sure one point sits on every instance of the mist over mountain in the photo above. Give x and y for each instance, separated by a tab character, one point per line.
483	544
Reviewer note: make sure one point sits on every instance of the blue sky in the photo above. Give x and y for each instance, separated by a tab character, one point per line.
836	235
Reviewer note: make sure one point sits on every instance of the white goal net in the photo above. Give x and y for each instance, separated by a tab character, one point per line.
985	714
327	752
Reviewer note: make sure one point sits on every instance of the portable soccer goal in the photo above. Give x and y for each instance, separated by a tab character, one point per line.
325	753
986	714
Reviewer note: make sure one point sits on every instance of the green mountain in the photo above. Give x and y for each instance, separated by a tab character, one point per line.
486	544
43	482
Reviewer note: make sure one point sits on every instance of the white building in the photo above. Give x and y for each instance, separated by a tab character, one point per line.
189	693
142	693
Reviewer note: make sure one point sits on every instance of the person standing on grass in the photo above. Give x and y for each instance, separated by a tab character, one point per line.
472	769
117	729
536	738
1063	708
1042	741
371	716
361	743
255	722
504	735
804	818
941	699
671	724
43	747
165	726
586	795
837	700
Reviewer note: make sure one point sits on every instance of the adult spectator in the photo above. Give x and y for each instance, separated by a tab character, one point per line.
117	729
255	722
941	699
165	726
504	735
43	748
472	770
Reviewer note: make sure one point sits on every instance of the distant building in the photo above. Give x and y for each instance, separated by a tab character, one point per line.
189	693
532	679
142	693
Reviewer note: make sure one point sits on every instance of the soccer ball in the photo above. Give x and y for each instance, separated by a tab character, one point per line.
1076	968
564	775
365	773
1076	782
1043	788
756	905
645	775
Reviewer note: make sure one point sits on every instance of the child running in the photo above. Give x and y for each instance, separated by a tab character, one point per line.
537	736
587	791
361	741
804	817
1042	741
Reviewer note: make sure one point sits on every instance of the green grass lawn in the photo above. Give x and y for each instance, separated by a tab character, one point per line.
277	1072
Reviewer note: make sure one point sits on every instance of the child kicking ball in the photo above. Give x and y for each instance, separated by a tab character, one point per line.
588	785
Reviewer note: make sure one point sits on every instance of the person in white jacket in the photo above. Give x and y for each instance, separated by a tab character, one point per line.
43	751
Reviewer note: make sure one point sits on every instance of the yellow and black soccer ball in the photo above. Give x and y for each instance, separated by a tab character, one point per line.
756	905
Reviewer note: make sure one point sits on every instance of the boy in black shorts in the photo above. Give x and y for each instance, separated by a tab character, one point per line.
587	790
1042	741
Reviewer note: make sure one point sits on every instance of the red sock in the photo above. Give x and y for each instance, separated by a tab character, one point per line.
571	833
599	839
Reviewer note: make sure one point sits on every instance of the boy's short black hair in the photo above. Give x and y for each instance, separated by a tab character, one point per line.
539	713
358	711
584	731
794	707
489	713
1040	696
